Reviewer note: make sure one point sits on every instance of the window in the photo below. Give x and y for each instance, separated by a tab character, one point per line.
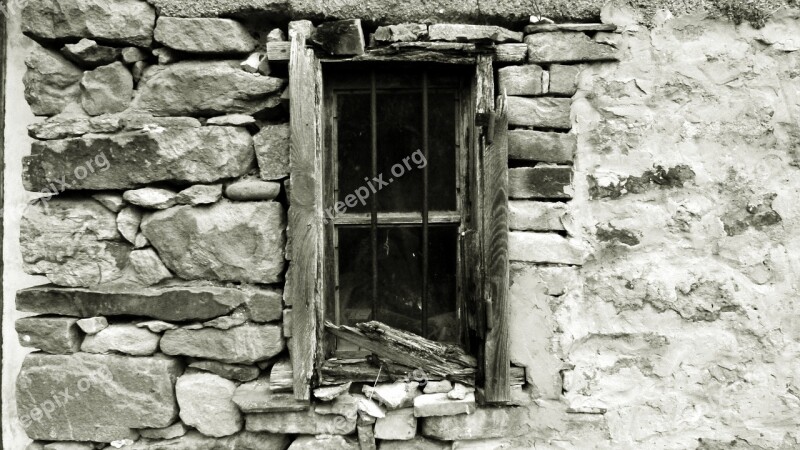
396	155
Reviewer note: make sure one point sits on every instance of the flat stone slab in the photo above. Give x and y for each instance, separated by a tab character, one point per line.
481	424
245	344
541	146
540	112
472	33
106	396
257	397
536	216
57	335
565	46
540	182
179	302
122	338
305	422
204	35
521	80
96	162
543	248
429	405
193	440
205	402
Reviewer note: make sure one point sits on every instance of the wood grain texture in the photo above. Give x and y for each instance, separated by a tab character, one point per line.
495	246
305	215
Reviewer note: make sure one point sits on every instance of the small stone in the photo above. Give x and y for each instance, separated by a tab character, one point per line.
324	442
157	326
93	325
541	146
140	241
257	397
173	431
536	216
138	70
124	338
200	194
152	198
132	55
459	392
252	190
245	344
344	405
398	425
204	35
236	372
438	387
329	393
404	32
428	405
264	303
341	37
148	266
57	335
113	202
272	151
564	79
511	53
106	89
264	67
393	395
566	47
472	33
542	112
543	248
521	80
276	35
206	403
238	317
251	63
233	120
128	221
166	55
301	27
300	422
51	82
369	407
87	53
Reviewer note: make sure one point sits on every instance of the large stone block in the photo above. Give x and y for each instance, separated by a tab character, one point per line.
107	89
303	422
543	248
541	112
204	35
51	82
131	159
98	398
226	241
564	79
205	402
244	344
123	338
566	46
540	182
400	425
521	80
482	424
205	88
74	242
541	146
471	33
72	124
89	54
119	22
174	302
196	441
324	443
536	216
57	335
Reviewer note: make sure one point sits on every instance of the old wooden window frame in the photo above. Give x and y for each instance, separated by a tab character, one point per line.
485	241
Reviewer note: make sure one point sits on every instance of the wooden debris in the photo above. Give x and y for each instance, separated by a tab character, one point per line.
515	53
548	27
278	51
281	377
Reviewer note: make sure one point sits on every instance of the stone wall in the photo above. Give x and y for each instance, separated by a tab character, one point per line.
652	238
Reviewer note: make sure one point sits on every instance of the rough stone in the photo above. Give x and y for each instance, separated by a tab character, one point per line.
128	221
236	318
200	194
472	33
563	79
301	27
258	397
233	120
418	443
176	302
541	146
329	393
252	63
157	326
137	70
536	216
151	198
51	82
245	344
132	55
276	35
511	53
226	241
459	392
398	425
394	395
92	325
164	56
521	80
540	182
207	35
235	372
264	304
543	248
541	112
438	387
342	37
73	242
566	47
193	440
300	422
123	338
173	431
57	335
404	32
252	190
344	405
69	124
107	395
88	53
112	201
148	266
483	423
324	443
141	241
272	151
121	22
205	88
106	89
429	405
196	155
205	402
367	408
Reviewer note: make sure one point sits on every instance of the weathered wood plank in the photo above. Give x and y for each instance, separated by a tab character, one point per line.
540	146
549	27
540	112
278	51
513	53
305	214
281	378
495	245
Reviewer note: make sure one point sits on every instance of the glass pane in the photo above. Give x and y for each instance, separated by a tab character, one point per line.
354	146
442	263
399	146
442	151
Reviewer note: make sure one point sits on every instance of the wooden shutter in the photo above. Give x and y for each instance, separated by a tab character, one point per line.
304	279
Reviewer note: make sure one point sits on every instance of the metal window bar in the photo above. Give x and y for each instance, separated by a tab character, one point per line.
425	205
374	203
